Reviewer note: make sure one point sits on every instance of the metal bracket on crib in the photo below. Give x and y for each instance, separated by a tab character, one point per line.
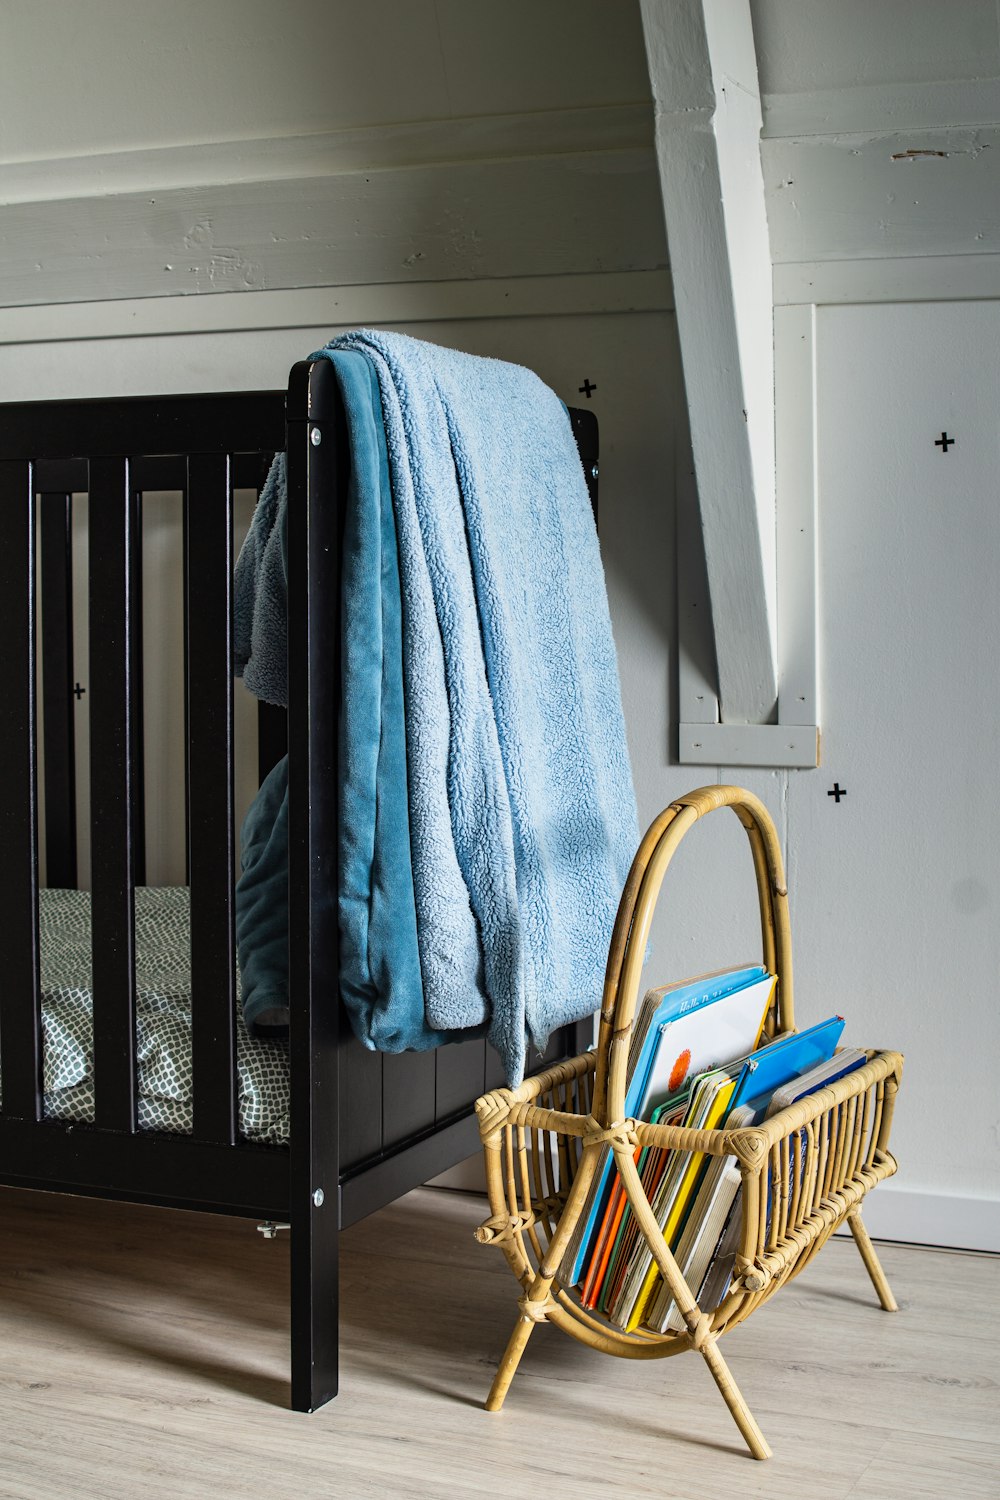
269	1229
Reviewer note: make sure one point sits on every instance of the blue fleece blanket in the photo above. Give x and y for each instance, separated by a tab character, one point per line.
520	809
519	769
380	965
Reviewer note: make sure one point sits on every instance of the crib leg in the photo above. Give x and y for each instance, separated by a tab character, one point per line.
872	1263
731	1394
314	1320
508	1365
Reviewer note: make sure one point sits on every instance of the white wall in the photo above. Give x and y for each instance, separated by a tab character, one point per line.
851	92
899	893
512	209
880	139
82	77
171	149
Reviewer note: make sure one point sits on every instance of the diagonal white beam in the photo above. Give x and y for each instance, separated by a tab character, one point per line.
703	71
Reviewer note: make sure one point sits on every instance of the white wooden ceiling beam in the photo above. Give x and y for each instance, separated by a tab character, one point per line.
703	72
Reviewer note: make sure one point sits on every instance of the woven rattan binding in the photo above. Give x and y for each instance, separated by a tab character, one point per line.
545	1140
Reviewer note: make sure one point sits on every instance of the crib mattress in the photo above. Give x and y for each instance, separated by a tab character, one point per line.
163	1021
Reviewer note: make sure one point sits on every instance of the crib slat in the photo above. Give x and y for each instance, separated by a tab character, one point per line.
460	1076
185	654
20	1025
138	727
208	534
495	1073
112	792
361	1094
57	690
165	471
408	1090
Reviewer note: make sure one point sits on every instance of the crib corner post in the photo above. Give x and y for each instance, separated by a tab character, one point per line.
314	1301
316	484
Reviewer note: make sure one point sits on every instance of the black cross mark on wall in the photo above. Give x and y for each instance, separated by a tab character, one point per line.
78	692
944	442
586	388
837	792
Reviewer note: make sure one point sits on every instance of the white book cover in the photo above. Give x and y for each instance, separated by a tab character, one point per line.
695	1257
709	1037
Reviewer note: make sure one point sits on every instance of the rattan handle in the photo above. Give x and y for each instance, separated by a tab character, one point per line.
635	916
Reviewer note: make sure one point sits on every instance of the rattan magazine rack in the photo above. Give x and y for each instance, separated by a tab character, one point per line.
813	1161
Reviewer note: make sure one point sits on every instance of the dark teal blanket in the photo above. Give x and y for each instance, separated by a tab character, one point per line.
380	965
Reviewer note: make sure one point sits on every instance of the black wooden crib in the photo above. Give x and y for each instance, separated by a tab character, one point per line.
364	1127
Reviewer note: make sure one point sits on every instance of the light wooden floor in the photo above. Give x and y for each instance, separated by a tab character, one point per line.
143	1354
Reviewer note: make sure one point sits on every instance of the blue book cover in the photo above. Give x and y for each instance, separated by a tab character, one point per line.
773	1066
642	1093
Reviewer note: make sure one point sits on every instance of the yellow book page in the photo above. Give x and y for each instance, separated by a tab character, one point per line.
718	1108
767	1007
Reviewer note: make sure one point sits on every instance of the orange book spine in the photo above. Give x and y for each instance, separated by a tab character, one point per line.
605	1244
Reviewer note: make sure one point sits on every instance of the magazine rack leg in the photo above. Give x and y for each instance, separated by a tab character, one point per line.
538	1292
508	1365
741	1413
538	1297
707	1346
698	1324
872	1263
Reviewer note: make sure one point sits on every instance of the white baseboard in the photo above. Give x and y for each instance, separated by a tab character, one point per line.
468	1177
944	1219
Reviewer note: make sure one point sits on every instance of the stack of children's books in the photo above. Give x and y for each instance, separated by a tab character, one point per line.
695	1060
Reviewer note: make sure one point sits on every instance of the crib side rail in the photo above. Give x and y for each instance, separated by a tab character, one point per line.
113	450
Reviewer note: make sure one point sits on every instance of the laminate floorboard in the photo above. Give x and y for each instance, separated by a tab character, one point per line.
143	1353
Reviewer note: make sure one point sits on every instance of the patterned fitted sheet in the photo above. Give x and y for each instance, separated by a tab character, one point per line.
163	1020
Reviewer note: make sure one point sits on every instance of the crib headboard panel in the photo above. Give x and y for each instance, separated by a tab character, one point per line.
113	451
56	482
